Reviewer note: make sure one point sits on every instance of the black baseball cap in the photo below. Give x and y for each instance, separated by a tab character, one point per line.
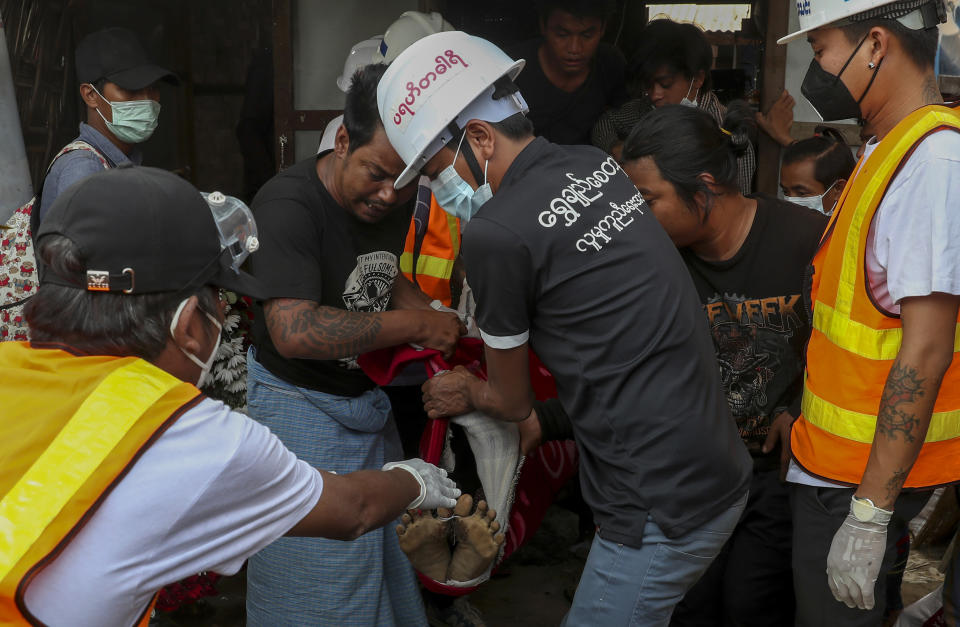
116	55
141	230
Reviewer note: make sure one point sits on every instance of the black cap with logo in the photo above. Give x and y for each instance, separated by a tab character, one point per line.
142	230
116	55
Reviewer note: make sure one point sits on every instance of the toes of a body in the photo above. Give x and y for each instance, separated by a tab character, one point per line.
464	505
401	529
494	526
499	538
444	512
406	519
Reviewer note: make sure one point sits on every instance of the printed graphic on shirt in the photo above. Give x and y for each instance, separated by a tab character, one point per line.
368	288
752	340
581	191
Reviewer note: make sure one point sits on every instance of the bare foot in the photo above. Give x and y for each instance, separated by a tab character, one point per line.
423	537
477	540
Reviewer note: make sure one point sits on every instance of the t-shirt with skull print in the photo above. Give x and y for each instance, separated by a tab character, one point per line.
311	248
754	304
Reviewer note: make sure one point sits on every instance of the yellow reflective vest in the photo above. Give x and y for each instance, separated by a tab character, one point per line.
431	265
70	428
853	343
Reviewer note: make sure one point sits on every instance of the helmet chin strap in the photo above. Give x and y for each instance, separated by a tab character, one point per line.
471	159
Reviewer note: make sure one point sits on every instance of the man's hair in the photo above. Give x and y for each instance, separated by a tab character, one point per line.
686	142
832	159
361	117
100	323
920	45
601	9
517	126
681	48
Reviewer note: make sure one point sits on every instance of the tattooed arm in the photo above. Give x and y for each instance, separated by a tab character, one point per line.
305	329
929	324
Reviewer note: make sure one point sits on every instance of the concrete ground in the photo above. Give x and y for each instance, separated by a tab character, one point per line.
532	589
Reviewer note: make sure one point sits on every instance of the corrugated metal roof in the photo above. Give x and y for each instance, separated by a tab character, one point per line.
709	17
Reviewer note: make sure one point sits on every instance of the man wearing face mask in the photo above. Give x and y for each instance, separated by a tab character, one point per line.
100	420
880	423
565	258
671	65
814	171
119	88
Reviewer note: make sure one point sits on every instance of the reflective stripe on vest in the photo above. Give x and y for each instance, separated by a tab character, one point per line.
853	344
127	403
438	252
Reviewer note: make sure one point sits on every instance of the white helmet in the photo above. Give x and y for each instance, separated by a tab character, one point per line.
914	14
411	26
362	53
443	78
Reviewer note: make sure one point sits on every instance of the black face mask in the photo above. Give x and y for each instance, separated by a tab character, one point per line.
827	93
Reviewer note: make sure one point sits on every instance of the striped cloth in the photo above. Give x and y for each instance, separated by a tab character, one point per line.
315	581
615	124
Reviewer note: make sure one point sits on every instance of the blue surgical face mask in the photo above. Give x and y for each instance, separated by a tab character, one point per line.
133	121
455	195
686	100
812	202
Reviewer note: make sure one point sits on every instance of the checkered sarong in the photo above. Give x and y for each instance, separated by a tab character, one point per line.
314	581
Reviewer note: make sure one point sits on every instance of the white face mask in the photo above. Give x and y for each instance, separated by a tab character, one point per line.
204	365
812	202
686	99
454	195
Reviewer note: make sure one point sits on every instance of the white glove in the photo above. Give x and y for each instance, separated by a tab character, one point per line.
856	554
436	489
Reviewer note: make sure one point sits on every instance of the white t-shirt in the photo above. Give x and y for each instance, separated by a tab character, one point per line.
214	489
913	246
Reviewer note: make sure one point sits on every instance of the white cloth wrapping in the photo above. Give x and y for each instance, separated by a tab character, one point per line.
496	447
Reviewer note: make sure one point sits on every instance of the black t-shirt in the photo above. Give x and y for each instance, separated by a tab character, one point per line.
566	255
568	117
756	313
311	248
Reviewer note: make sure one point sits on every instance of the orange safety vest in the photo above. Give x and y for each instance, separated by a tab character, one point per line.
70	429
437	253
853	344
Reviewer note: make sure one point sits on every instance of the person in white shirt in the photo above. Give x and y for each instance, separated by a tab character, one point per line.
125	322
878	429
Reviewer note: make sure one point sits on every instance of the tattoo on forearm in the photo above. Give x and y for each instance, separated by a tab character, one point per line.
896	482
333	333
903	388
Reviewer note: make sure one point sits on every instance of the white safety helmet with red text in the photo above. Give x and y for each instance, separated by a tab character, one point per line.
411	26
446	77
914	14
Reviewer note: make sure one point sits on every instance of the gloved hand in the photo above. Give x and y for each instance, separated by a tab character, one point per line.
856	554
436	489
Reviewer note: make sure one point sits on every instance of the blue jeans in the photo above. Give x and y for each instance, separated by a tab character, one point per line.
622	585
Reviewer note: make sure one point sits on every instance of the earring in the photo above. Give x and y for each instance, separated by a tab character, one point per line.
871	65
